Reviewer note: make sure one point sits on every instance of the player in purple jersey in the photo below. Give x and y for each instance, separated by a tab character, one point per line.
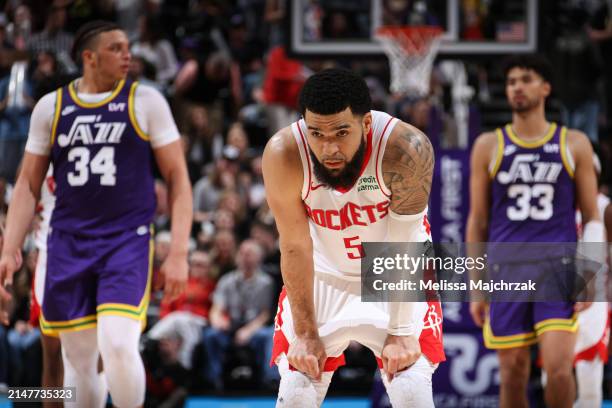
101	133
525	182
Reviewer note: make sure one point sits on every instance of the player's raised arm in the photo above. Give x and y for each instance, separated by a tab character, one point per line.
283	179
407	167
478	219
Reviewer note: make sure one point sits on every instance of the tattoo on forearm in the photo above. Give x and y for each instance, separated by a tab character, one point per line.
408	170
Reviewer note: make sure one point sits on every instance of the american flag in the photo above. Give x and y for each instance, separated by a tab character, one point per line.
514	31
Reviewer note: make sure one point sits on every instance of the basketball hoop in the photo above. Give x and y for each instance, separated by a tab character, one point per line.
411	51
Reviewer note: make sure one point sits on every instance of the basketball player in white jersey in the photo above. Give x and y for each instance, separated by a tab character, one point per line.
340	176
591	351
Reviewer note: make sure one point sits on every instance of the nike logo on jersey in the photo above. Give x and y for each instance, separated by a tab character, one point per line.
68	110
508	150
313	187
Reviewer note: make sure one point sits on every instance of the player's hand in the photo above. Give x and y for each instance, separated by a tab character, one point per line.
399	353
307	355
173	275
9	264
582	306
479	310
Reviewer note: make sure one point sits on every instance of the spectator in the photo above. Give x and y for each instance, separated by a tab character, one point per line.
239	316
575	56
20	30
143	71
233	202
223	252
207	191
238	139
183	318
274	17
255	190
206	146
53	38
284	80
16	103
153	48
207	81
23	338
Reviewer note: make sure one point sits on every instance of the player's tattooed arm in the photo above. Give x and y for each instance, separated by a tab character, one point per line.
407	168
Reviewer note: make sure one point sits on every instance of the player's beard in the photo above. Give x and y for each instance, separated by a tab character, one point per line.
344	178
525	106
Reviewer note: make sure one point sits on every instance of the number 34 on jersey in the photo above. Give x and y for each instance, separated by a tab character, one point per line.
102	164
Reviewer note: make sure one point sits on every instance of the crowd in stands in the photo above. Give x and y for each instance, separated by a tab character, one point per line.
224	69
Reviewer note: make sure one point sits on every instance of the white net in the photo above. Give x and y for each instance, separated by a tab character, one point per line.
411	53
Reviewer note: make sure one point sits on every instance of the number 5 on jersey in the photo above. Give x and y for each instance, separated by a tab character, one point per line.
354	249
103	164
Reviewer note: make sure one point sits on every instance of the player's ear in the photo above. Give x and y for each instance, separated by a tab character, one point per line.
366	123
87	55
547	89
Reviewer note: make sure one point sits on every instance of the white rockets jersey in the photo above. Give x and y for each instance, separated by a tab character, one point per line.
593	322
341	220
47	203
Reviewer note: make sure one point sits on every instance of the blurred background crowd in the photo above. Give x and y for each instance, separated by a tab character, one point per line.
224	68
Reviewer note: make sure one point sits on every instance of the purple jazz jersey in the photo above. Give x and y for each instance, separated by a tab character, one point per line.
102	164
533	197
533	200
91	276
98	248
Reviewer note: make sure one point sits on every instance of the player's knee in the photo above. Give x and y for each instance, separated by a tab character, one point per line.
559	377
409	389
80	358
296	390
514	369
118	350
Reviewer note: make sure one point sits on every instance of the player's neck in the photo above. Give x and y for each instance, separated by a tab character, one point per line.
530	125
92	84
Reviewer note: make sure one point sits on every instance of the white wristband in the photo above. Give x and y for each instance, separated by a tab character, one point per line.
592	246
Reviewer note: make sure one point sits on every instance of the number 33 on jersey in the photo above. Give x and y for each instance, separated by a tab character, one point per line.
100	156
532	181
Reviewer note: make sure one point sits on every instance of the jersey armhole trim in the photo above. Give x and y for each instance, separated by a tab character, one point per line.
56	115
565	153
132	114
499	156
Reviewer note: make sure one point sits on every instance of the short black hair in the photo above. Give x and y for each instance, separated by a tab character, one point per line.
333	90
535	62
87	33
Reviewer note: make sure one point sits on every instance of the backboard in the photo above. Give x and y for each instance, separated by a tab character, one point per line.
347	27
